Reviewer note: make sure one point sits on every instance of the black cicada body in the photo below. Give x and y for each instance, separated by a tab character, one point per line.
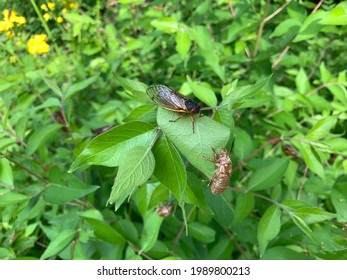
173	101
221	176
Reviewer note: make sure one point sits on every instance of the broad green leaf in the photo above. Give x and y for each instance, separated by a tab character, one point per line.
222	250
235	97
324	73
10	197
183	43
284	253
76	87
201	232
58	244
205	94
152	222
243	144
50	102
321	128
53	86
244	205
269	227
128	230
339	198
202	37
160	193
6	142
169	167
310	27
40	136
194	146
136	88
302	83
307	213
167	25
286	26
223	210
74	189
6	175
268	175
194	192
312	159
212	60
110	147
300	223
145	113
136	168
336	16
105	232
339	92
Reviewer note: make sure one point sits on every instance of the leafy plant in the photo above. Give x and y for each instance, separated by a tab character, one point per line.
90	168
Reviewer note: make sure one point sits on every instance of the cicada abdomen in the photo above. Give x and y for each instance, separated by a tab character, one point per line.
221	176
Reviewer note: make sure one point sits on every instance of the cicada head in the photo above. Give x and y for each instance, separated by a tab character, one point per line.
192	106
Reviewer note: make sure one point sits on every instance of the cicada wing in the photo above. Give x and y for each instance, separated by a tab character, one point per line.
166	97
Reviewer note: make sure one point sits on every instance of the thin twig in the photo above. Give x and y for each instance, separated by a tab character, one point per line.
25	168
232	10
323	86
260	29
319	60
278	60
317	7
302	183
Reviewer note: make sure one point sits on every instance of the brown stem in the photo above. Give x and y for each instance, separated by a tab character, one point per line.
232	10
25	168
302	183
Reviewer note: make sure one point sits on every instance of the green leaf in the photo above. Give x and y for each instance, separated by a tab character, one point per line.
243	144
339	198
307	213
201	36
311	27
244	205
235	97
58	244
285	27
6	142
201	232
336	16
321	128
10	197
268	175
222	250
183	43
205	94
40	136
73	189
110	147
194	146
136	88
169	167
136	168
145	113
312	159
105	232
300	223
212	60
268	228
167	25
152	222
53	86
76	87
6	175
302	83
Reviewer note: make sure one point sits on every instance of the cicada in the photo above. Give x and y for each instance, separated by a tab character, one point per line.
221	176
173	101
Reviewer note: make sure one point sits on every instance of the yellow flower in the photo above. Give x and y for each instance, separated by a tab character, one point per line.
59	19
6	25
44	7
12	59
64	11
51	6
38	44
47	16
73	5
19	20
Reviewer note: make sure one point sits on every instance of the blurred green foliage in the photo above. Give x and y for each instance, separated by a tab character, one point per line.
75	100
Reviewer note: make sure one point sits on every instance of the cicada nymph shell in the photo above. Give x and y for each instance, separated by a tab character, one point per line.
221	176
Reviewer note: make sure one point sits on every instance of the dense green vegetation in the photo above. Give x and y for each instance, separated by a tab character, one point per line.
91	168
